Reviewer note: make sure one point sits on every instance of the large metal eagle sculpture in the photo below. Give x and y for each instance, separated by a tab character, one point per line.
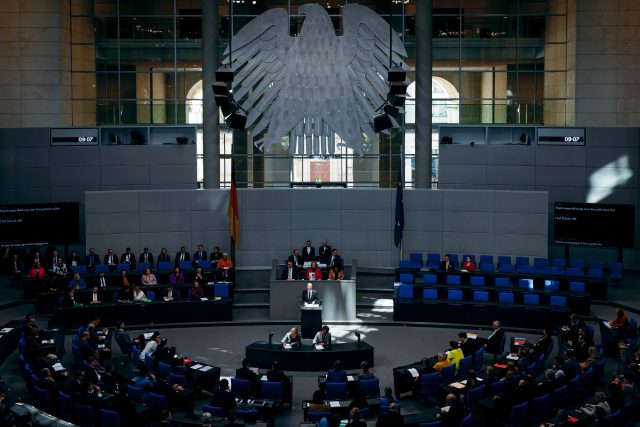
317	84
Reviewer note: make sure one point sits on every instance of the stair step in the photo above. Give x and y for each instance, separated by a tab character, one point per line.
251	298
251	290
250	305
376	290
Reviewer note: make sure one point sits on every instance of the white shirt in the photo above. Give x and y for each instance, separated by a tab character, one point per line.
149	349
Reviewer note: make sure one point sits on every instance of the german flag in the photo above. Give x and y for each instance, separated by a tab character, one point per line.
232	210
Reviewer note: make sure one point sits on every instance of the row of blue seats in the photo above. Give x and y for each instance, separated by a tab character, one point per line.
406	294
500	282
140	267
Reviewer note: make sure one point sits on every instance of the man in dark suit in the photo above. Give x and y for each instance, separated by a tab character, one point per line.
245	373
447	264
291	272
308	252
275	374
467	345
15	269
146	256
492	344
92	371
309	295
128	257
324	252
335	259
222	397
199	255
296	259
391	418
91	260
183	255
164	256
111	260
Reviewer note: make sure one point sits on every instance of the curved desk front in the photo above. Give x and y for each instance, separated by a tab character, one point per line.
338	299
261	354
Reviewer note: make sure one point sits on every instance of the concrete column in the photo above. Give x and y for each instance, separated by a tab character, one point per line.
424	9
210	62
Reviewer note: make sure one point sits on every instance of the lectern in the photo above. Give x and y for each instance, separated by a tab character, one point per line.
310	320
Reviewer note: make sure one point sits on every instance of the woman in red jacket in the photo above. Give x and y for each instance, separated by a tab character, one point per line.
468	264
314	272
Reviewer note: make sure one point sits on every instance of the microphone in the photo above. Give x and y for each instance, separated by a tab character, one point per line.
270	337
358	336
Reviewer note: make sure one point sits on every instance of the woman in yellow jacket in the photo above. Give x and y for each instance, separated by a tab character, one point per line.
455	354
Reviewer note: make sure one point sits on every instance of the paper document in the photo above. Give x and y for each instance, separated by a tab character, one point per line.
148	335
334	404
458	386
512	356
472	336
287	346
196	366
58	367
255	370
204	299
445	409
263	378
319	347
5	330
350	378
205	368
414	372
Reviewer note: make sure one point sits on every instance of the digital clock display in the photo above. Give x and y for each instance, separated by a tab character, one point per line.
74	136
561	136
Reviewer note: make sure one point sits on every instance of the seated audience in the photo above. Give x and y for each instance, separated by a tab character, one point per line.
146	257
199	255
592	360
223	398
313	272
391	418
177	277
468	265
69	300
454	412
455	354
442	362
292	338
355	418
336	273
123	280
275	374
317	403
73	260
365	374
77	283
36	272
598	410
323	337
290	272
447	264
111	260
215	254
196	291
138	295
336	259
171	294
148	278
337	374
91	260
181	256
164	256
296	259
128	257
102	281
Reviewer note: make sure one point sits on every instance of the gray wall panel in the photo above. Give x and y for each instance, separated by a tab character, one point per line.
460	154
514	175
75	176
560	175
518	201
364	231
522	155
24	158
423	200
172	154
512	223
318	199
551	155
75	156
117	241
124	176
130	155
173	174
112	223
23	178
464	174
613	156
521	245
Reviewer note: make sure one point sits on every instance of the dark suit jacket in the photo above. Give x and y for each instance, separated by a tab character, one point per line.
115	259
469	347
308	253
324	252
91	375
164	258
390	419
295	261
246	374
443	266
149	257
176	262
132	258
224	400
285	273
305	296
276	376
335	261
197	258
92	259
494	341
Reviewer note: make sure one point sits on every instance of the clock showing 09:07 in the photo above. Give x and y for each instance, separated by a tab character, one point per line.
74	136
561	136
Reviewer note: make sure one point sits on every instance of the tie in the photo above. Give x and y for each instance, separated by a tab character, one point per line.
182	257
146	258
290	273
309	296
102	284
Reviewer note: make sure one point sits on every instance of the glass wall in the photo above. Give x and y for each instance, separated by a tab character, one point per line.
494	62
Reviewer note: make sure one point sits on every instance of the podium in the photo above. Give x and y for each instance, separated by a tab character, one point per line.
310	320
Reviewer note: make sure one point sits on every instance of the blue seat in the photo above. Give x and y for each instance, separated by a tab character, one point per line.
465	364
80	269
559	398
522	260
576	263
151	295
221	290
453	279
60	301
406	278
429	294
586	382
77	355
505	297
215	411
467	421
65	406
596	263
406	264
429	279
503	259
486	267
525	283
551	270
158	402
496	388
454	259
177	379
527	269
478	359
436	423
185	265
595	273
315	417
109	418
574	272
205	264
433	261
164	265
405	291
271	390
486	259
142	266
573	389
164	367
531	299
481	296
558	301
577	287
454	295
502	282
134	393
248	416
473	257
42	399
507	268
476	280
551	285
101	268
448	374
336	391
616	271
559	262
240	387
474	396
370	388
148	361
429	383
84	415
519	415
416	258
124	266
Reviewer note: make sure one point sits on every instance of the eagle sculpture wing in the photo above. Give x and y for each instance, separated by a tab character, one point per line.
366	55
258	63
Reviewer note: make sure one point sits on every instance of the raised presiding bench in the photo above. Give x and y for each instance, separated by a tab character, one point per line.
338	299
307	358
144	313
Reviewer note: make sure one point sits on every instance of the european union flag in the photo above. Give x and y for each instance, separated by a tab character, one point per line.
399	223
